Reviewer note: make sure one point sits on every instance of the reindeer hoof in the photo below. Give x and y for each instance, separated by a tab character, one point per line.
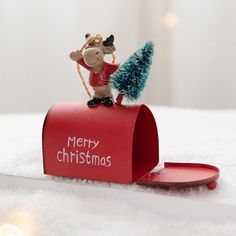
94	102
107	101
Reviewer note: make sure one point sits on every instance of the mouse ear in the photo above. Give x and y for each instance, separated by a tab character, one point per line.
87	35
109	41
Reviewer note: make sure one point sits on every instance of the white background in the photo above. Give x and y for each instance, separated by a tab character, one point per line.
193	66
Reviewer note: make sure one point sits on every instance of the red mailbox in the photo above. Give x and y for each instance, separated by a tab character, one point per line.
114	144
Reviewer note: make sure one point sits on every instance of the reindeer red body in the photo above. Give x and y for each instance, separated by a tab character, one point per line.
101	78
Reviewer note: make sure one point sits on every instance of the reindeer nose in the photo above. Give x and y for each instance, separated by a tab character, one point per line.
91	51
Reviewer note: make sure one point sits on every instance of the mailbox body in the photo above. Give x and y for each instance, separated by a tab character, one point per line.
114	144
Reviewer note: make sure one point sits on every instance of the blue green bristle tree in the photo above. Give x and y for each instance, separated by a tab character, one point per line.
130	78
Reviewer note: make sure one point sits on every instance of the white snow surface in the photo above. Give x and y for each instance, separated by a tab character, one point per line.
76	207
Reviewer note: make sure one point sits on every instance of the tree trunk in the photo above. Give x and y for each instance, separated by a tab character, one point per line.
119	99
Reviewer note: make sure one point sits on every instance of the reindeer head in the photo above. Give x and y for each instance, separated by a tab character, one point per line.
96	48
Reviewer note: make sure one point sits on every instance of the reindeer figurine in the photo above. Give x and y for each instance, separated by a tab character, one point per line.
91	57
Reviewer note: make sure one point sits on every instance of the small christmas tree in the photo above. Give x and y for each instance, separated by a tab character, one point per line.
130	78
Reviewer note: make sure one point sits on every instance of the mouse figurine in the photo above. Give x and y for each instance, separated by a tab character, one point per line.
91	57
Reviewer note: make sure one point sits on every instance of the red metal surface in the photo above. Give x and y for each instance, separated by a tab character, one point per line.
115	144
182	175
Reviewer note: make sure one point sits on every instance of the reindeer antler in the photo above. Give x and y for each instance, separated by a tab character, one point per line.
109	41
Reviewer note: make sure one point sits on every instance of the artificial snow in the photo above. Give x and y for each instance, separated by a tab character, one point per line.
76	207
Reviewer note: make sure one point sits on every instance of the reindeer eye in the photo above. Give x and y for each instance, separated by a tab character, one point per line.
97	53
